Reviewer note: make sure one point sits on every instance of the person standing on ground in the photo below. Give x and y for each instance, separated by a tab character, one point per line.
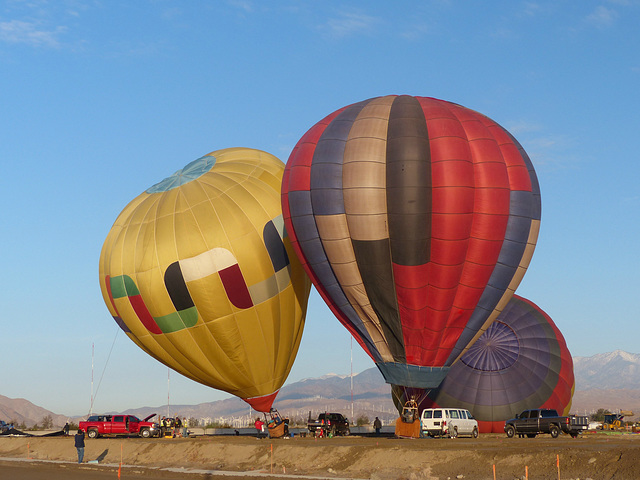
259	424
377	424
79	441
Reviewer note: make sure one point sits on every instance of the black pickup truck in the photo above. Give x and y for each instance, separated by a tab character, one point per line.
534	422
328	425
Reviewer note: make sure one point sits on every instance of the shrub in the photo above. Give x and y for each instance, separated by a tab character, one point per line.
362	420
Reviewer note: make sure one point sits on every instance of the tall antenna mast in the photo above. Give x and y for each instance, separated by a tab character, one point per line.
92	353
352	419
168	403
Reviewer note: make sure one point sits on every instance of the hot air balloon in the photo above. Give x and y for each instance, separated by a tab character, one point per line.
416	219
199	273
520	362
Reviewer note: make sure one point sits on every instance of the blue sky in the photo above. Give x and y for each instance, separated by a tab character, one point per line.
101	99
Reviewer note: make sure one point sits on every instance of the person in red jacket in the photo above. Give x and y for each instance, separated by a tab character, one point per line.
259	424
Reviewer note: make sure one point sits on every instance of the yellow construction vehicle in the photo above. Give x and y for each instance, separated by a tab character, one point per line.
615	421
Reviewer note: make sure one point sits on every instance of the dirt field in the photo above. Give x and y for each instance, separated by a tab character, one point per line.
595	456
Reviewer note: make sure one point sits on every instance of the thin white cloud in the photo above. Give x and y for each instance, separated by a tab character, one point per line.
531	9
244	5
545	143
602	17
17	31
523	127
551	152
631	200
172	13
349	23
416	31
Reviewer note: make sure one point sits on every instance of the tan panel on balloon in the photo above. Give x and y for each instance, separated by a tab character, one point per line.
339	251
364	180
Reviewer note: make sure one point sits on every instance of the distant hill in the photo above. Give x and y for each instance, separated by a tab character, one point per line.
607	380
20	411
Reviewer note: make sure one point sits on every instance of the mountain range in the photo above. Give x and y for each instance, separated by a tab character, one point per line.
607	380
607	371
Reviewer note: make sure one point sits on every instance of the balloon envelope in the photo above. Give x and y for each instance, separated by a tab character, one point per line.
521	362
198	271
416	219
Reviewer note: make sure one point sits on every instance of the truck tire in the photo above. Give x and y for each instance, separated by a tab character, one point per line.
474	434
510	431
554	431
145	433
92	433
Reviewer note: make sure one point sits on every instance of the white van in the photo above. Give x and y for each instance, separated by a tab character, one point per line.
451	422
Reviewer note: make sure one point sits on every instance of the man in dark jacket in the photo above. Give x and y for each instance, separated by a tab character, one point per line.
79	440
377	424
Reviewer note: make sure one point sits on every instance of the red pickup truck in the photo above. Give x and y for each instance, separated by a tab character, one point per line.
103	425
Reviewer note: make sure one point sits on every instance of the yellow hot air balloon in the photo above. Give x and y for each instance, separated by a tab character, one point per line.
199	273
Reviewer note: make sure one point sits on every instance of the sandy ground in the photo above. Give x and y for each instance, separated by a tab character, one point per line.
596	456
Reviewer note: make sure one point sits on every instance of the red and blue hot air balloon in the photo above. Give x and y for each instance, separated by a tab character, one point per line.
416	219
